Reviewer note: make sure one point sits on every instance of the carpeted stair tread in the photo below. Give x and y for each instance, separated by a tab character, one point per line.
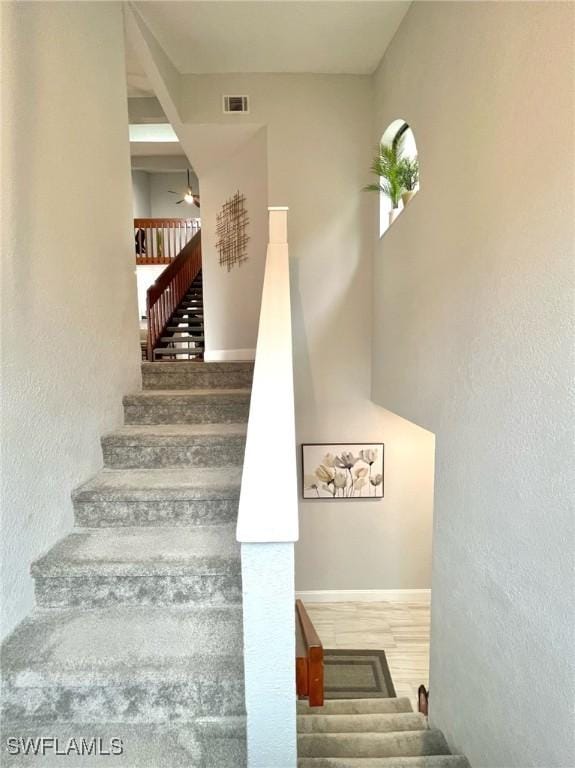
164	483
93	568
141	551
128	652
356	706
398	744
196	375
140	642
367	723
162	434
222	741
158	496
128	663
159	395
423	761
139	631
143	446
187	406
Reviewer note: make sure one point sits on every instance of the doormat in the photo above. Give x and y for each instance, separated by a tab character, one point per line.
357	675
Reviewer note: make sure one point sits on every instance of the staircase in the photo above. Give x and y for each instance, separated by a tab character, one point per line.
183	337
138	631
370	733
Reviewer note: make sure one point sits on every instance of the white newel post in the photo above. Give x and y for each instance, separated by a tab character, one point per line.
268	523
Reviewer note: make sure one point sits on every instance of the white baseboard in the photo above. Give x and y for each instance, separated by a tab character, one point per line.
365	595
228	355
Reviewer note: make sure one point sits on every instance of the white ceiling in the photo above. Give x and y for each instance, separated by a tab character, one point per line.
321	36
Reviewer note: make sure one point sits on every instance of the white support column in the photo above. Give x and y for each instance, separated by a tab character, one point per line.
269	654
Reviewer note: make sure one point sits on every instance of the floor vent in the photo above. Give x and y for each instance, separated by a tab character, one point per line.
236	104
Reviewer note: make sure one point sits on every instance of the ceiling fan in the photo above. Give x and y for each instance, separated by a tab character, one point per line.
189	196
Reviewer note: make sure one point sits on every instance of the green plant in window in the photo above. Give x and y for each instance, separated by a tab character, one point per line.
409	173
396	174
386	166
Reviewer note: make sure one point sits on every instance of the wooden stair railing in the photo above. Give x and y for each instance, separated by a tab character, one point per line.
158	241
308	659
165	294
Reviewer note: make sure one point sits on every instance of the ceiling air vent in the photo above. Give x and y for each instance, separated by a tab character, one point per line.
236	104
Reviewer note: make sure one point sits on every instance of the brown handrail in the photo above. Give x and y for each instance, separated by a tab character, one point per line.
309	659
159	240
166	293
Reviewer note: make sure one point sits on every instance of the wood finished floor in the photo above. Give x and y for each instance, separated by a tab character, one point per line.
401	629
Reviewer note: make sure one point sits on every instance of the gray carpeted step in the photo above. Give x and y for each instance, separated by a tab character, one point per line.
356	707
201	406
401	744
157	497
375	723
141	566
128	664
196	375
222	742
170	445
425	761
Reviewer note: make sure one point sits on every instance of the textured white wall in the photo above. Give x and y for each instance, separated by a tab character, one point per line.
473	338
145	276
69	325
319	136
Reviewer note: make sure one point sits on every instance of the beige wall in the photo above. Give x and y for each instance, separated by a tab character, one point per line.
232	298
69	324
141	195
473	339
319	147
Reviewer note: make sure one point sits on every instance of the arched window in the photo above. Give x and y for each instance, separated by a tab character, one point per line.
398	155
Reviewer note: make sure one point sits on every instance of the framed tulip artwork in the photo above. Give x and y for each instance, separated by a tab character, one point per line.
342	470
